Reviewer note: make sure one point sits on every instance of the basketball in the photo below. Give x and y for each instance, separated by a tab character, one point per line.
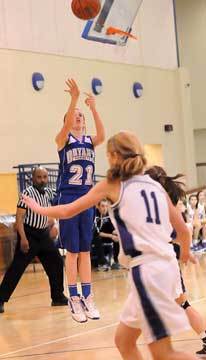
85	9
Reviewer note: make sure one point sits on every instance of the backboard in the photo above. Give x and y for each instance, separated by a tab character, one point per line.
119	14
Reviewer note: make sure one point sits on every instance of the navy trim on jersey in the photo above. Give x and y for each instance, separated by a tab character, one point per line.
145	179
158	329
182	282
61	167
59	234
126	237
114	205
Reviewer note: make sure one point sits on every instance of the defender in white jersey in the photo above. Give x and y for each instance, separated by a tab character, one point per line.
174	186
142	213
192	218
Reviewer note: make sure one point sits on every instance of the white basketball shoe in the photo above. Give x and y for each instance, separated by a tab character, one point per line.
77	309
89	307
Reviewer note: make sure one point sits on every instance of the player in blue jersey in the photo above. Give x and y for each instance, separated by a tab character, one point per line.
142	214
77	158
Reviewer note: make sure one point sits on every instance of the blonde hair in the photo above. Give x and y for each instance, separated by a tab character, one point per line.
131	159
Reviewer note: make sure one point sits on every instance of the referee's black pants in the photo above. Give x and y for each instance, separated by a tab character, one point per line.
42	246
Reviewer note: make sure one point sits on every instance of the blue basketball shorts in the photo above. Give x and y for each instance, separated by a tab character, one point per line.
75	234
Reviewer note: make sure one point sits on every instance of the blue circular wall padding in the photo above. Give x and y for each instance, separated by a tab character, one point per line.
37	81
137	89
96	86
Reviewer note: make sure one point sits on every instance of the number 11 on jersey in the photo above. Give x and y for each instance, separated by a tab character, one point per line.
149	218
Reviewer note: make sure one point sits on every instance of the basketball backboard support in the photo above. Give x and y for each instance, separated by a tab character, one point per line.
119	14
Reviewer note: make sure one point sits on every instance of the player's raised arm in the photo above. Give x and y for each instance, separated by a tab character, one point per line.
100	133
73	90
97	193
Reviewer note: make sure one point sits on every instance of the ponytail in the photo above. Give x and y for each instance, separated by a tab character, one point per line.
130	158
171	184
127	168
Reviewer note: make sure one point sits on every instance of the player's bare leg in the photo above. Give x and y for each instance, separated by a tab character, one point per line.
87	300
71	267
74	299
125	340
163	350
84	264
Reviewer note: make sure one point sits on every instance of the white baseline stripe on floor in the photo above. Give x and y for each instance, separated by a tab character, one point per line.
60	339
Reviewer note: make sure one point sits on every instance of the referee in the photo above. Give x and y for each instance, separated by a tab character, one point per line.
33	239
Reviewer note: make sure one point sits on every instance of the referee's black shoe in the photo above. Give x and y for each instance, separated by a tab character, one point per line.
63	301
1	307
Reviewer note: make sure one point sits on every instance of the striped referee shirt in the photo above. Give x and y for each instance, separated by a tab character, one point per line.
42	198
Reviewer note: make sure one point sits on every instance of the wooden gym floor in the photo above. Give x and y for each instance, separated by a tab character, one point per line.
31	329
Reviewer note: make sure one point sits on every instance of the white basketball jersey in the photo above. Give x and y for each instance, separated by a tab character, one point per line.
141	217
201	211
191	212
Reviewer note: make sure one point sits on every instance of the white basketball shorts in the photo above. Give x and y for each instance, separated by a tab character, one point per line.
151	305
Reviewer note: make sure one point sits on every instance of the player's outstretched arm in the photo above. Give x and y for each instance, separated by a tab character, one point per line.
97	193
100	133
73	90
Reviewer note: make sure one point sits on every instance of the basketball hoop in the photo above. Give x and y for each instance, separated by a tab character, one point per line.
114	22
113	31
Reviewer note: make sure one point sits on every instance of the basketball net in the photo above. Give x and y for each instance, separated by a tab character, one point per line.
113	31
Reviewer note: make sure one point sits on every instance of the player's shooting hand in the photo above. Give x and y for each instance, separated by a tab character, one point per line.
31	203
90	101
72	88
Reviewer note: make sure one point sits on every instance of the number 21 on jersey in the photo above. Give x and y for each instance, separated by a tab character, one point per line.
76	179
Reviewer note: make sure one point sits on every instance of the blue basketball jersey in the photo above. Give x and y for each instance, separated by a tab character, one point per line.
76	170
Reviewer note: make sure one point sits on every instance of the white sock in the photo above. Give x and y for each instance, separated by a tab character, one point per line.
195	242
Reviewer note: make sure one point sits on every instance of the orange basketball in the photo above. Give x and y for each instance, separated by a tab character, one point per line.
85	9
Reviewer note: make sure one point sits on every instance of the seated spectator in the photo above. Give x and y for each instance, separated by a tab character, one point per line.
97	244
201	215
105	240
115	264
182	206
192	217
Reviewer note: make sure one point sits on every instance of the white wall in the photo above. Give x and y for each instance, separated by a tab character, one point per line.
200	151
200	145
30	119
191	21
49	26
